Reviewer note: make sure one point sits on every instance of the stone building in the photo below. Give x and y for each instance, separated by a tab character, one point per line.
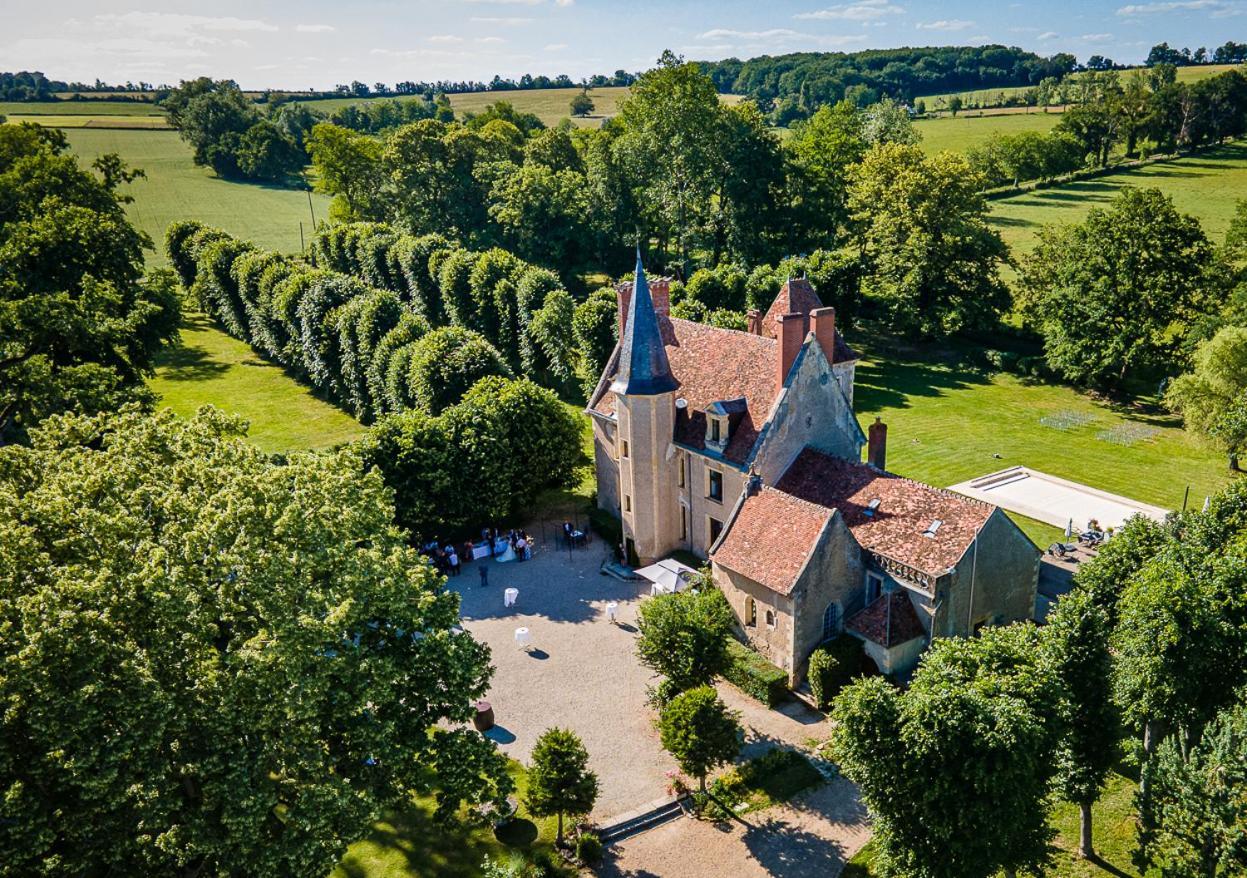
742	447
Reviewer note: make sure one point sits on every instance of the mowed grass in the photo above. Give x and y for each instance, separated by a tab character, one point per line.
1206	186
1113	835
176	189
957	134
950	419
209	367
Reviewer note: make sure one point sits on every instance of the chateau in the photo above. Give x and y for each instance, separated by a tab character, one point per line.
742	448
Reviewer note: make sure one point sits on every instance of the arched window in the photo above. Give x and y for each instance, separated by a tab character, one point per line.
831	621
751	612
770	618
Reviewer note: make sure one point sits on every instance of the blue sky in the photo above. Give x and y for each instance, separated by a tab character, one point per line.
314	43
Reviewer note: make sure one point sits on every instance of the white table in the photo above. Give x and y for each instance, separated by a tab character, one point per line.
612	610
522	638
509	597
479	552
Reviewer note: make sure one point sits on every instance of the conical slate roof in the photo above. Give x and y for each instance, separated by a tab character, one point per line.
643	367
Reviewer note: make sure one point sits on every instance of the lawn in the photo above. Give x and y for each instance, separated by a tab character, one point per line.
1207	186
410	845
210	367
951	418
962	132
1112	828
176	189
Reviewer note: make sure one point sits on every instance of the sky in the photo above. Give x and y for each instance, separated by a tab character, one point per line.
318	44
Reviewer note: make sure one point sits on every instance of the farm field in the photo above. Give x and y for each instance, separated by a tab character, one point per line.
949	419
989	96
1207	186
78	108
65	120
175	189
548	104
957	134
209	367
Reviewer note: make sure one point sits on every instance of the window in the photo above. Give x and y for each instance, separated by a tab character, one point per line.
874	587
683	523
831	621
625	448
716	528
683	458
715	429
770	618
751	612
627	503
716	486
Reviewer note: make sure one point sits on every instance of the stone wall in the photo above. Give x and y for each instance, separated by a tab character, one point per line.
833	573
773	642
605	465
1004	580
813	411
695	494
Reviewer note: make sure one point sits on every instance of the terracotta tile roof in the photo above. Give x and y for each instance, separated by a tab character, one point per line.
797	296
876	624
771	537
906	510
715	365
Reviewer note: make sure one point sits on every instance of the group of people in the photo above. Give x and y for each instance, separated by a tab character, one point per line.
515	545
446	558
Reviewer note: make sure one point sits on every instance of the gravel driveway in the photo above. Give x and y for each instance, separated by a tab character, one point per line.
581	672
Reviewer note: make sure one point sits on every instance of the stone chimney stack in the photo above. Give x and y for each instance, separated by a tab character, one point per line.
659	291
790	335
755	321
824	321
877	445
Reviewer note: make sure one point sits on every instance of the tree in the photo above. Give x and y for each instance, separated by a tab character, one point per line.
1076	644
956	770
932	259
348	166
205	676
79	325
1118	561
541	213
582	104
1113	295
820	154
699	731
1210	397
266	153
559	779
447	362
684	636
595	327
889	122
1199	802
1095	126
955	103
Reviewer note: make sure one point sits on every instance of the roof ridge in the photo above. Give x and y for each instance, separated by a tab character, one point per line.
819	507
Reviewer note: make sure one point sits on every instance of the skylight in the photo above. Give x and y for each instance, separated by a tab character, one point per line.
929	533
873	506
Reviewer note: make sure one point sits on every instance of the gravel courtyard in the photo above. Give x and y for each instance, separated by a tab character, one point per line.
580	673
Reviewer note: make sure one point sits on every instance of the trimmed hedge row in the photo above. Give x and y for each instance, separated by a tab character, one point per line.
754	675
362	346
834	665
521	309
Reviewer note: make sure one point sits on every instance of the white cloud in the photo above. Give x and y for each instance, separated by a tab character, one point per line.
1049	35
490	40
1218	8
554	47
313	29
489	19
1096	38
169	24
863	10
945	24
444	38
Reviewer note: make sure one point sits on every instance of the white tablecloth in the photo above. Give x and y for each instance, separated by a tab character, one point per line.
479	552
510	596
522	637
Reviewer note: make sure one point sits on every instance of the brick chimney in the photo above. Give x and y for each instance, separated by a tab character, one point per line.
659	291
824	321
755	321
877	445
790	335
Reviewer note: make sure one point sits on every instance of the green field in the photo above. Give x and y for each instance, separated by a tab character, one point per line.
962	132
990	96
79	108
176	189
950	419
112	120
209	367
1207	186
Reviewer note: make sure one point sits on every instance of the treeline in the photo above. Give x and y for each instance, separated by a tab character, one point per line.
1230	53
1145	107
446	86
791	87
28	86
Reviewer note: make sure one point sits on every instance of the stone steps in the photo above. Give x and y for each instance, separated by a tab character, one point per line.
654	814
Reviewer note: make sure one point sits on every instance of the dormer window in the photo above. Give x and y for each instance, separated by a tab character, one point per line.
716	429
721	416
872	507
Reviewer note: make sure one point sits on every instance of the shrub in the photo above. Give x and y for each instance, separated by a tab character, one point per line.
410	328
248	271
284	307
531	292
684	636
595	327
699	731
589	849
453	283
321	353
492	285
372	253
716	288
447	362
178	249
398	379
215	288
548	346
754	675
833	665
